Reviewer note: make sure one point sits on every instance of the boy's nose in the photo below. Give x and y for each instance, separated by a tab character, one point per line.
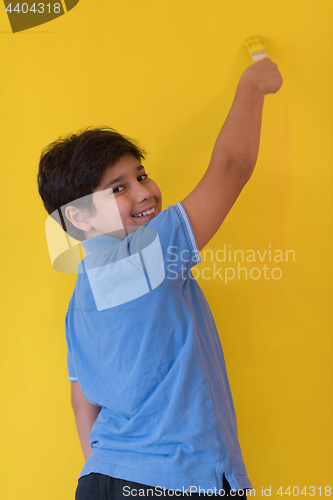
142	193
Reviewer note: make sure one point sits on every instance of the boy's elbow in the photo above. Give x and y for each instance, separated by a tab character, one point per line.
245	170
247	166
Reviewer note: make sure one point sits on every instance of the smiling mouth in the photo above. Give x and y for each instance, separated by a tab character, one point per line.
145	213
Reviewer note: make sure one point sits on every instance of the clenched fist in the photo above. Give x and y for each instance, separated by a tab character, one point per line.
263	76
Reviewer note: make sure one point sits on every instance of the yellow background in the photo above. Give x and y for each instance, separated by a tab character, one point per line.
165	73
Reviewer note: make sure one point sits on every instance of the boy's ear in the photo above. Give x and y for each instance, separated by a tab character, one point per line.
78	218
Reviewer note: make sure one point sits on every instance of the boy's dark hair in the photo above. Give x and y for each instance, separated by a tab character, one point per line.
72	167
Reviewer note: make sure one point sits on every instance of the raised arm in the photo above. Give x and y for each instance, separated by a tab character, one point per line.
235	152
85	416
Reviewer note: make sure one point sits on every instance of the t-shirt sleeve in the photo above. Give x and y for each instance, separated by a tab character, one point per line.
174	242
70	364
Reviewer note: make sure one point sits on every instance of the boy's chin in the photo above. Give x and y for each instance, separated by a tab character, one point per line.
132	229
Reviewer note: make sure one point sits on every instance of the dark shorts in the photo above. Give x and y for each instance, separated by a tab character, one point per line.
96	486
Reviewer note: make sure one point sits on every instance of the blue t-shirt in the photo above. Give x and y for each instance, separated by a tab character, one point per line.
143	345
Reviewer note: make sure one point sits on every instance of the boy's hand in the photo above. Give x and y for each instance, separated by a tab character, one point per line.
263	76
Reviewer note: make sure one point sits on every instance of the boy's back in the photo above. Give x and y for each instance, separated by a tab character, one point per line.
155	366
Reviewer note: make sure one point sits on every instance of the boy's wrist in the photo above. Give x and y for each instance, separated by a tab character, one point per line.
250	86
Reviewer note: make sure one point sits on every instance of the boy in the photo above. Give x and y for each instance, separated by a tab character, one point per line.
150	393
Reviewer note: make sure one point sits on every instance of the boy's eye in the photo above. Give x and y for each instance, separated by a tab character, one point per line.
117	189
145	176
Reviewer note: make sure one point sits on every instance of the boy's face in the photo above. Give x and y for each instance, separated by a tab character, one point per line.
125	191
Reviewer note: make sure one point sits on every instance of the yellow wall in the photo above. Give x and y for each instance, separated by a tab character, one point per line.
165	73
